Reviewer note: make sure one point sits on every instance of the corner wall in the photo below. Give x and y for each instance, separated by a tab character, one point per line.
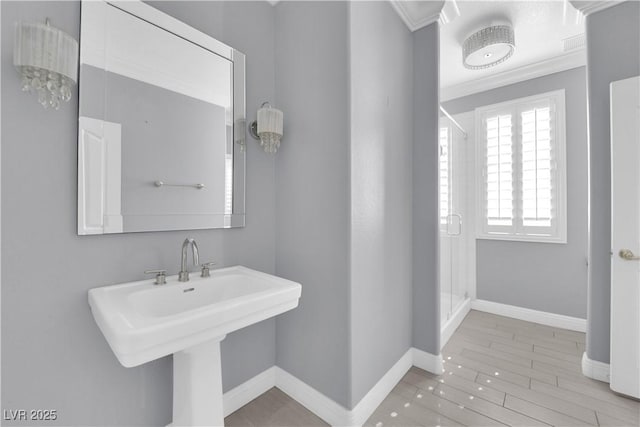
348	226
613	53
381	80
426	285
312	192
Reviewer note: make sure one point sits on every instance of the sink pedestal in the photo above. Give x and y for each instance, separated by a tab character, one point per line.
197	386
143	322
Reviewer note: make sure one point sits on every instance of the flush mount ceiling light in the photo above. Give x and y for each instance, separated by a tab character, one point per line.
488	47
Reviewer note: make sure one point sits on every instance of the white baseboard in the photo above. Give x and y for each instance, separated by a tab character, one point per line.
321	405
368	404
595	369
324	407
427	361
453	323
244	393
337	415
542	317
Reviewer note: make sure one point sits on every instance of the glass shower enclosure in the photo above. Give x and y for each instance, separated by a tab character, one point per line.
452	196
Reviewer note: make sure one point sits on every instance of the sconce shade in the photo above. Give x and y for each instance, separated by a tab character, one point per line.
270	120
270	124
47	60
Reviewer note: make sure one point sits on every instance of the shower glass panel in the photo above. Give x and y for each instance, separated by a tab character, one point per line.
451	199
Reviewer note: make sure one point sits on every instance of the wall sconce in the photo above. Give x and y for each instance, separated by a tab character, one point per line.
47	60
268	127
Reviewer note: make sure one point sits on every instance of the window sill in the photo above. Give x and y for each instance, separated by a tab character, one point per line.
525	239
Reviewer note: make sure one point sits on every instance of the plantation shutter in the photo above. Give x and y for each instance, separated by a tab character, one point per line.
499	172
523	186
539	172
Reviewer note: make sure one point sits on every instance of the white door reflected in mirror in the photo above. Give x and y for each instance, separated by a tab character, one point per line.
175	96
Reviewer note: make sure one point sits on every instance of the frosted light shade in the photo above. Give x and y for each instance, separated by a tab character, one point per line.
270	120
47	59
46	47
270	124
488	47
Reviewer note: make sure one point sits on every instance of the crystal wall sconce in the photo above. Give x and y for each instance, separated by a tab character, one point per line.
268	128
47	60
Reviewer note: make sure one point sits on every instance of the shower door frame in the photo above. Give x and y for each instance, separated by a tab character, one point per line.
467	167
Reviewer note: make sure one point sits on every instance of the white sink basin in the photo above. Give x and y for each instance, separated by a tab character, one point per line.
143	322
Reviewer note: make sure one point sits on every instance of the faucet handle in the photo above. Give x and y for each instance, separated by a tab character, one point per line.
161	276
206	267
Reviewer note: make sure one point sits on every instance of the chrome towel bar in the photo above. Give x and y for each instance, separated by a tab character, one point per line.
164	184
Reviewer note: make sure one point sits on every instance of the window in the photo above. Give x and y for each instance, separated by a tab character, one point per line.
522	182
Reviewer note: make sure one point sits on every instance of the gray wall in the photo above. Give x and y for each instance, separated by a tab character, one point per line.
542	276
312	197
426	286
53	355
381	186
613	53
328	341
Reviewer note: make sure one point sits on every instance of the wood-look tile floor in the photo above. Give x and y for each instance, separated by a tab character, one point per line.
498	371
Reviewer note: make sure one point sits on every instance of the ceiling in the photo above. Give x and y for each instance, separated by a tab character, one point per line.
549	36
541	28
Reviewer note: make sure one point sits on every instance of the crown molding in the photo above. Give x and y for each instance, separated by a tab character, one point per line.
574	59
449	12
586	8
443	16
410	22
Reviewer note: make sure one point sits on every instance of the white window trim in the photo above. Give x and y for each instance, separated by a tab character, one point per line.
561	192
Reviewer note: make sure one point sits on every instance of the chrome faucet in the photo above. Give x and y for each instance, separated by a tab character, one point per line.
183	276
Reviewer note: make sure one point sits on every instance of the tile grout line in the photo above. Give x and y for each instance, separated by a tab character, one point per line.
532	354
543	406
441	396
555	377
534	403
462	391
467	408
494	368
608	403
548	409
542	371
616	404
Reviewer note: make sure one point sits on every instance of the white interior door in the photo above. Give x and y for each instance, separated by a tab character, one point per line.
625	237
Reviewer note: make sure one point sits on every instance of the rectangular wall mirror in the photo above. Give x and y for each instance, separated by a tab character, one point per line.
161	124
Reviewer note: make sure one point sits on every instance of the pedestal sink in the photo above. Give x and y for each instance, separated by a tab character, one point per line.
143	322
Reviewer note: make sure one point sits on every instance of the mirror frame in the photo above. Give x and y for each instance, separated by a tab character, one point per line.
106	224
